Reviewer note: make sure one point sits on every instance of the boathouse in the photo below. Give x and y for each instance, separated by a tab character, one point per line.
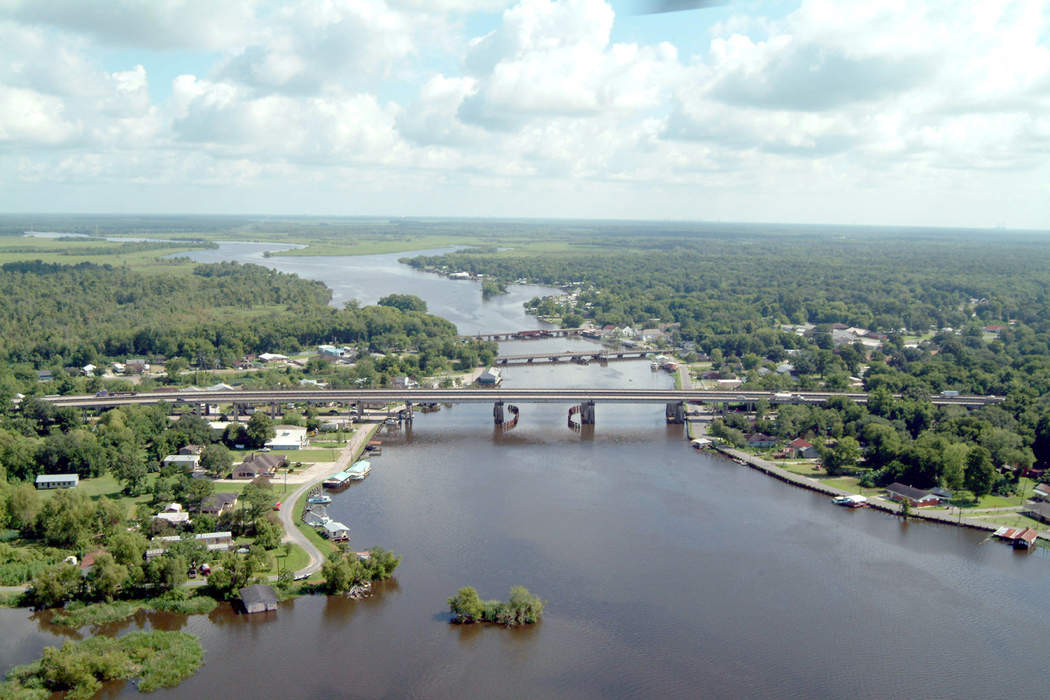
1021	538
335	531
258	598
916	497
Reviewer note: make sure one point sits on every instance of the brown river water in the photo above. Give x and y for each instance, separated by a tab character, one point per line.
667	573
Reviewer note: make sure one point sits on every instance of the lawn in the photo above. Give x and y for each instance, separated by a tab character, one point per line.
309	455
109	487
1008	519
850	484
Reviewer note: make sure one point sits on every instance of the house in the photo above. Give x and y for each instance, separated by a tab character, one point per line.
214	541
287	437
761	440
136	366
916	497
272	357
44	375
1041	492
942	493
88	370
259	464
1039	511
490	377
188	462
335	531
173	514
258	598
404	383
218	503
57	481
803	449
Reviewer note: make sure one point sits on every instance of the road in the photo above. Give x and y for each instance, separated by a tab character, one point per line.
292	533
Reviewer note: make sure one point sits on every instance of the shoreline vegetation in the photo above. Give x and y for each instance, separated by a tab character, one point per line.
152	660
522	608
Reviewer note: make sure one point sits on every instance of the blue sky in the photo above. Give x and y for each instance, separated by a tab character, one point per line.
932	113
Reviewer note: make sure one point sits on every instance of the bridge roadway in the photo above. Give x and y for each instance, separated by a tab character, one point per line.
569	395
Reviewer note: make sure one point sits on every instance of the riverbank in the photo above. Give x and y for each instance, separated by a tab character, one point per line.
292	511
767	467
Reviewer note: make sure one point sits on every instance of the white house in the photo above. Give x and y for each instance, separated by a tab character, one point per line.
288	437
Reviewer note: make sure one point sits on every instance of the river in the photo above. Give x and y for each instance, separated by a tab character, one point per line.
667	573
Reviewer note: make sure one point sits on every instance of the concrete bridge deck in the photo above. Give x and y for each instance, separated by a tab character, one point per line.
489	395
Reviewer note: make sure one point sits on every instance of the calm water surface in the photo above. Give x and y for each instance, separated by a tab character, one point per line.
667	574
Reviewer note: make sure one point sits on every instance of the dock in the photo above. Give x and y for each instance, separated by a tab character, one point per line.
811	484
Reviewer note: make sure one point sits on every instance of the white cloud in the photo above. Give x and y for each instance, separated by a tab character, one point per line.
309	45
154	24
554	59
942	107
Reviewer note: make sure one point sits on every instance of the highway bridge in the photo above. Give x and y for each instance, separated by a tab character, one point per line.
673	399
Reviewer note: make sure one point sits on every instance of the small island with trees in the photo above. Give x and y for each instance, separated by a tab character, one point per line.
523	608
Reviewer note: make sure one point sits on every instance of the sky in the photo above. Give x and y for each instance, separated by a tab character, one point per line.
897	112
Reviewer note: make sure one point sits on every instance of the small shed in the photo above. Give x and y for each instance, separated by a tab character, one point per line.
490	377
57	481
804	449
258	598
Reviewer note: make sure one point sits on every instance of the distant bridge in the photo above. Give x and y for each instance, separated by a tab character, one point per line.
532	334
573	355
674	399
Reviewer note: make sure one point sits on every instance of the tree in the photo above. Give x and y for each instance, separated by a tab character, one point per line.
23	506
234	435
256	499
190	550
196	492
404	302
341	573
381	563
127	547
259	430
843	456
466	605
106	576
55	585
267	534
980	472
167	571
173	368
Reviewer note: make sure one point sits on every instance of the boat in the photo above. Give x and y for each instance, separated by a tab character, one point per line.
359	470
390	421
851	501
319	498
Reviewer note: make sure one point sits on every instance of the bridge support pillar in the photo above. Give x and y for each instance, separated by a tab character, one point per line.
587	413
497	413
675	412
360	405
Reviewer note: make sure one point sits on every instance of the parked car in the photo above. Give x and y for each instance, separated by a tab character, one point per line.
277	505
